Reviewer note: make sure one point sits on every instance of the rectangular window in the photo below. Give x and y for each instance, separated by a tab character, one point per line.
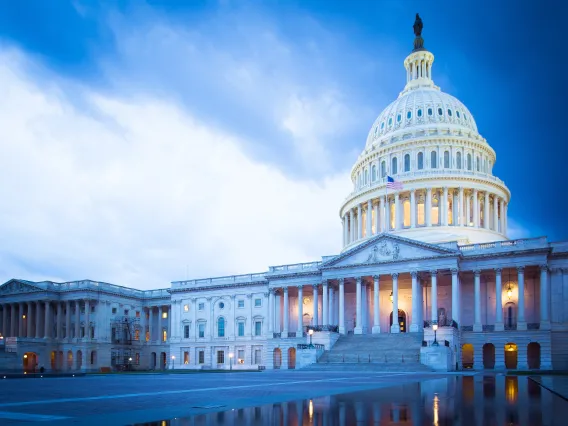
147	336
137	358
136	334
137	314
421	219
257	356
257	328
201	306
186	358
164	335
186	331
113	334
241	356
126	312
241	303
92	309
201	328
257	303
241	328
201	357
186	308
220	357
113	310
164	315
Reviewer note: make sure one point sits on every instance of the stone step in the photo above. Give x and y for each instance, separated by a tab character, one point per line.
386	367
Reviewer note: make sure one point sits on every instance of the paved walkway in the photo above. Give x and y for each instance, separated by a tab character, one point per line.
128	399
556	384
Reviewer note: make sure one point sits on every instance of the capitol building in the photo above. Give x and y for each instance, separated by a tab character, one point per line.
426	278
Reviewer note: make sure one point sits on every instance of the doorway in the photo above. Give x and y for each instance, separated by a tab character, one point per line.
292	358
401	320
30	362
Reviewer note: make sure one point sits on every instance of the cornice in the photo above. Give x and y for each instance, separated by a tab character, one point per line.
216	287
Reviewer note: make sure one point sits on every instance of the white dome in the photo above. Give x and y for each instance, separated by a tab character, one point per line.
421	108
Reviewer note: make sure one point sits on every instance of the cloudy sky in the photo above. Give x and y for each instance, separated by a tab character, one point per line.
145	142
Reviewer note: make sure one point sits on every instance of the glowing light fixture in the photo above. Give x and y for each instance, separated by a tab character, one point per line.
509	292
390	297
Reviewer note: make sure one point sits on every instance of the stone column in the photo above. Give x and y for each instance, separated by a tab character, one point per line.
499	326
468	220
395	328
38	328
521	321
544	297
377	223
486	211
5	320
397	211
414	325
286	313
444	209
462	209
359	222
413	208
381	216
387	214
428	207
151	323
325	304
12	320
300	328
47	333
67	320
20	319
359	316
344	230
477	301
475	208
331	309
341	306
270	312
29	320
88	319
351	227
77	319
434	296
456	305
59	323
316	303
502	216
369	221
364	307
495	214
376	304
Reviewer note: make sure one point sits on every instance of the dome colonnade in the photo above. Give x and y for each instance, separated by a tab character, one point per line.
428	141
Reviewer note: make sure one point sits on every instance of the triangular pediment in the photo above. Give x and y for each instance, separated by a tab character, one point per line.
387	248
15	286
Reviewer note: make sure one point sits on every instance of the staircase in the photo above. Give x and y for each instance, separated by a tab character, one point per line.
374	352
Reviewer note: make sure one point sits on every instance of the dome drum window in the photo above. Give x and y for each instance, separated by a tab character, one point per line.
408	115
398	118
390	121
449	112
419	113
430	112
440	111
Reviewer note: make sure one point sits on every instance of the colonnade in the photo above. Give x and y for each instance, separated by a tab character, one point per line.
150	322
417	208
48	319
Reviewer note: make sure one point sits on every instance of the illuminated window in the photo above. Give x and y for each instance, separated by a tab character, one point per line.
164	335
450	211
137	314
137	335
407	163
420	216
406	207
241	356
221	327
433	160
364	223
186	308
435	210
373	222
459	160
164	315
447	159
420	161
147	336
186	358
392	216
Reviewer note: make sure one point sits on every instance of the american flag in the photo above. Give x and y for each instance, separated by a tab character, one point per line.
392	184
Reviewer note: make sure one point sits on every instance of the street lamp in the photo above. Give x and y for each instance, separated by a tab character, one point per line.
435	328
173	361
231	355
311	332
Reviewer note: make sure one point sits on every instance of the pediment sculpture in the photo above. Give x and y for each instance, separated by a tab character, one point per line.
16	287
384	250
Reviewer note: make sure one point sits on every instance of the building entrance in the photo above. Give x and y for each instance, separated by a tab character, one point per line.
401	320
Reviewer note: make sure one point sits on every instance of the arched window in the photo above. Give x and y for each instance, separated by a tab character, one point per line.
449	112
221	327
458	114
433	160
419	113
376	130
366	176
409	115
478	165
420	161
382	125
407	163
383	168
374	173
469	161
394	168
358	179
446	159
398	118
440	111
459	160
430	112
390	121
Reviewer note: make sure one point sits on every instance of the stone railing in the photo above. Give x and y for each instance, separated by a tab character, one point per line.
230	279
504	245
316	346
448	322
296	267
332	328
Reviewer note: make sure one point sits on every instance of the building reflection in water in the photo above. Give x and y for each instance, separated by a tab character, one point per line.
495	400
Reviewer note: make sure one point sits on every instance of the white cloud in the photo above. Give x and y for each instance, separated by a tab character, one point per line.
142	190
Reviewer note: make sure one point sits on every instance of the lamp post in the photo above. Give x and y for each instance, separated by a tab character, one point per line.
130	363
311	332
231	355
435	328
173	361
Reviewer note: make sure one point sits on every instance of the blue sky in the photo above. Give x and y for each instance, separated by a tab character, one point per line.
143	142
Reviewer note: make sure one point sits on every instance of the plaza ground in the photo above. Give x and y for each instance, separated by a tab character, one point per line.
136	398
